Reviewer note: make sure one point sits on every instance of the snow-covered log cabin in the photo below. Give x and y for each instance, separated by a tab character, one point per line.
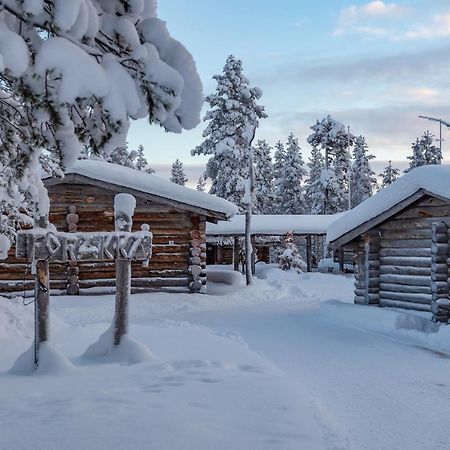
225	239
83	201
401	240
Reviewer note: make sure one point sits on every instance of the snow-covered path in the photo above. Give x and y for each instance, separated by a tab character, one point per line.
372	391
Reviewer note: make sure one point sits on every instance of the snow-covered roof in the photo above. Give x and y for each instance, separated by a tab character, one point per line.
151	184
432	179
273	225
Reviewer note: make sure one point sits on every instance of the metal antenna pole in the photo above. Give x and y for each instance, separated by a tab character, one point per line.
441	122
349	171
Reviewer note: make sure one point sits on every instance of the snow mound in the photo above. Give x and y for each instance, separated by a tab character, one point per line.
128	352
16	320
51	362
229	277
418	323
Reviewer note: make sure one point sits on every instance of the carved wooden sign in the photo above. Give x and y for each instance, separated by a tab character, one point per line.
62	247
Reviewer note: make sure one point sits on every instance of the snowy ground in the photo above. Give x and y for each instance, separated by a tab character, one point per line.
289	363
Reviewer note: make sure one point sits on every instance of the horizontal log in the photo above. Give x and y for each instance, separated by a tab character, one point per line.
411	280
410	270
362	301
439	249
413	261
404	305
428	211
406	297
442	287
408	252
362	292
398	234
399	223
405	243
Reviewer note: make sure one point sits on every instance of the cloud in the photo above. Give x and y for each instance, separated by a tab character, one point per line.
438	27
419	68
354	18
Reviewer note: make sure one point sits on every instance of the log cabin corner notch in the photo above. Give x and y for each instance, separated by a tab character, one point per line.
400	238
83	201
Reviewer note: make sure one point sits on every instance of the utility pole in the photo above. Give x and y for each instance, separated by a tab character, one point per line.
441	122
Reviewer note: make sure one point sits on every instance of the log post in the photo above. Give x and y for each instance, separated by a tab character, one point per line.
341	259
367	273
197	259
236	256
308	253
73	287
124	205
253	255
41	298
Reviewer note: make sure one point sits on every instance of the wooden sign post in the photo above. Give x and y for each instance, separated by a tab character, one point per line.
40	246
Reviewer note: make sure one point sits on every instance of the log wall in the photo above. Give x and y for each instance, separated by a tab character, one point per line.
410	268
169	266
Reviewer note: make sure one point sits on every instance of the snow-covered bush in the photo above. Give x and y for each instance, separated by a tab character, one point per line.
73	74
289	257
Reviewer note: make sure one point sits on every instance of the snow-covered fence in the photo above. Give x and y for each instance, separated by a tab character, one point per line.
40	246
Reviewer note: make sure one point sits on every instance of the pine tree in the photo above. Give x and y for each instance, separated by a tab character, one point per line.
122	73
233	117
389	175
141	162
178	176
290	257
121	156
278	165
264	176
431	152
289	189
417	158
201	183
315	185
332	137
362	176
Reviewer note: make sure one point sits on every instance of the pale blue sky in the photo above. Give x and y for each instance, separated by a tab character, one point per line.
373	65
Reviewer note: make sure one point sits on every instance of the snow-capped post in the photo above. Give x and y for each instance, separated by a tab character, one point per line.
124	206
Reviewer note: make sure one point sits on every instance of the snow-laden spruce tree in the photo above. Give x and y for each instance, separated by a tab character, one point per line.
332	137
431	152
389	175
278	164
417	159
73	74
315	184
233	117
362	176
264	176
289	188
122	156
290	257
177	175
201	183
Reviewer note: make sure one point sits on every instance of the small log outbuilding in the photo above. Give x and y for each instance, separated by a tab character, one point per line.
400	237
225	239
83	201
